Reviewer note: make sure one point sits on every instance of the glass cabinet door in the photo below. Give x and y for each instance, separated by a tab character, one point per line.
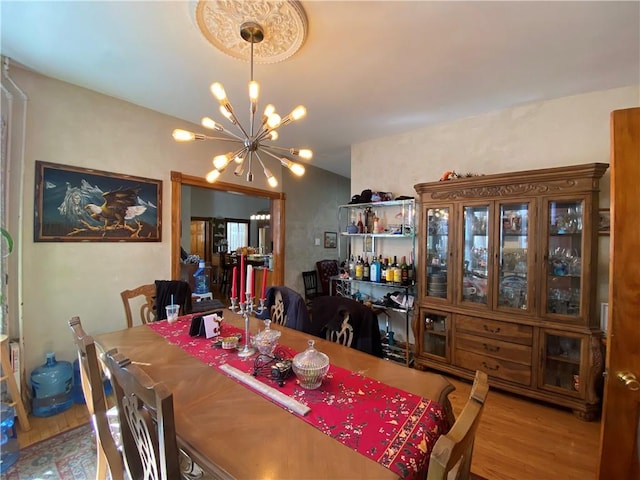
561	353
437	252
564	263
435	327
513	267
475	233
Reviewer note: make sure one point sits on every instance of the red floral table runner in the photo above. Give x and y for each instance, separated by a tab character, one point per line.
392	427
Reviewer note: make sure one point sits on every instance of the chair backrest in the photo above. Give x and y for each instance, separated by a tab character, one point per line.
344	336
327	313
278	314
285	306
147	423
326	270
451	455
148	312
93	390
172	291
310	279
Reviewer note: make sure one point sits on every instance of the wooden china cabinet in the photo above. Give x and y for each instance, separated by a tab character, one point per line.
507	282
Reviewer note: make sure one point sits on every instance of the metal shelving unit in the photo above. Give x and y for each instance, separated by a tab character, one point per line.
396	231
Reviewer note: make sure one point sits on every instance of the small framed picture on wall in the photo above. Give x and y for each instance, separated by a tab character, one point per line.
330	240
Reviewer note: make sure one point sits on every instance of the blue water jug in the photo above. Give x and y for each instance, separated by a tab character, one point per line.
202	279
52	386
8	437
78	394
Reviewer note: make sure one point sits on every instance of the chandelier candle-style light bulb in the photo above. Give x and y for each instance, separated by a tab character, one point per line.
258	137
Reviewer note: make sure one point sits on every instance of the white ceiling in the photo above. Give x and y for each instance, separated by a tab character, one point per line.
366	70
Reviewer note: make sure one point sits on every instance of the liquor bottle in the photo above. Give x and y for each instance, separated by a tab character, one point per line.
359	268
383	270
389	270
374	270
352	267
370	215
404	272
376	225
397	272
366	271
360	224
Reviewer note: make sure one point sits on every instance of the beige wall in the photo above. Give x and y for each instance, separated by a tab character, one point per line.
313	212
566	131
74	126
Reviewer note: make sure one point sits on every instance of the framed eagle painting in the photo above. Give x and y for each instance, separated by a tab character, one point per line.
74	204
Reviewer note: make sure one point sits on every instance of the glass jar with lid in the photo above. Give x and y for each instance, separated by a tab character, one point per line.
266	340
310	367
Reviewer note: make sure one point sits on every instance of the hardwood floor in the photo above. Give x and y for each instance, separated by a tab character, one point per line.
517	439
45	427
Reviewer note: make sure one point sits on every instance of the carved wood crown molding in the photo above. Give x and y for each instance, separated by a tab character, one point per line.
284	24
571	179
505	190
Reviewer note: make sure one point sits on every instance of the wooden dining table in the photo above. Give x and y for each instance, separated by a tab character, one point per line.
234	432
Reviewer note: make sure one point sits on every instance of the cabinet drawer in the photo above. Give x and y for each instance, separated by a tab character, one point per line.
508	332
511	371
490	347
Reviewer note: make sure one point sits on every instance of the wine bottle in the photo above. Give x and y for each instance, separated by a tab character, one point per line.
404	272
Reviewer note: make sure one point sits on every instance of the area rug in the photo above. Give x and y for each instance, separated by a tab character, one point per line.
68	456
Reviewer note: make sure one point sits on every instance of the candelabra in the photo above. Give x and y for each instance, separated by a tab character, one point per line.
245	309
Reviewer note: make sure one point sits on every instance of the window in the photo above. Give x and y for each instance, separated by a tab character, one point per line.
237	234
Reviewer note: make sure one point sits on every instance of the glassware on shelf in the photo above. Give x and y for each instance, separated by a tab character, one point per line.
565	218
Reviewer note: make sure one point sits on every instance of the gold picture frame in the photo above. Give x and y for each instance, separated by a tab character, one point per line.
75	204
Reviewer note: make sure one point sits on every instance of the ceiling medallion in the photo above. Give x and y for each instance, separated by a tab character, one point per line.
284	24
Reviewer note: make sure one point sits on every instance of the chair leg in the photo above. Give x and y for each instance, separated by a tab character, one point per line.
102	465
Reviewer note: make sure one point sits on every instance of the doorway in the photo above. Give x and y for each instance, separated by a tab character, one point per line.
201	237
277	212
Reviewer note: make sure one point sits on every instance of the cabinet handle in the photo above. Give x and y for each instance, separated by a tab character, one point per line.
489	367
490	348
491	330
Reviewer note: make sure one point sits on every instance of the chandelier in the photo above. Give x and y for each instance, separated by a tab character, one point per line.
254	142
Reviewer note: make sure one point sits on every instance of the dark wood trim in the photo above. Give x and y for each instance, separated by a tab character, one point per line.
277	218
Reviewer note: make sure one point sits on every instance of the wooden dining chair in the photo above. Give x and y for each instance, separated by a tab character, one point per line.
148	312
150	448
278	314
451	455
344	336
310	280
147	425
109	458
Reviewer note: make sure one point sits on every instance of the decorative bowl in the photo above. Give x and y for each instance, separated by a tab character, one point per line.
266	340
310	367
229	343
